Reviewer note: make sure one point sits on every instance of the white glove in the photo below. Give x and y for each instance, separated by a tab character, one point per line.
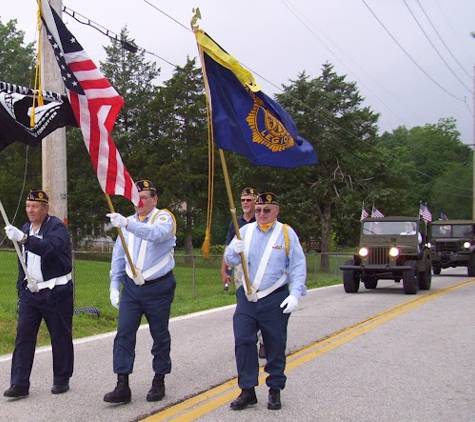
117	220
14	234
291	302
138	279
238	245
114	297
251	297
33	287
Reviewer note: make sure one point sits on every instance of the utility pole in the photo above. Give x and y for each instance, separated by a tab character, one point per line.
54	166
473	154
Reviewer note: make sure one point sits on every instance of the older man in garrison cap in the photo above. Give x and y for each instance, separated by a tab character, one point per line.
150	238
277	273
45	292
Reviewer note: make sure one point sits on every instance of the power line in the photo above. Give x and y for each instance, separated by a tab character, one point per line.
434	47
127	45
440	38
408	55
341	61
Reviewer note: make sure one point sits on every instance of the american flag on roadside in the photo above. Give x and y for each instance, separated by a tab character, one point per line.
442	216
425	213
376	213
95	103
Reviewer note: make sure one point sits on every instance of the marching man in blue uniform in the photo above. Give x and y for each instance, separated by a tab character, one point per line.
45	292
277	273
150	238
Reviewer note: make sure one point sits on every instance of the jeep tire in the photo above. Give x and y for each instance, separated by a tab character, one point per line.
425	277
351	281
410	278
471	266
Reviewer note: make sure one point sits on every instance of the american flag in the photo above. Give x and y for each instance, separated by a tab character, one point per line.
95	103
425	213
364	214
376	213
443	216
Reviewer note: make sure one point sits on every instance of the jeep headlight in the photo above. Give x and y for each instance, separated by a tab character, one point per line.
363	252
466	245
393	252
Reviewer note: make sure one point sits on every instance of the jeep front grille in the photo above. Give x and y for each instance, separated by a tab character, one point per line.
378	256
447	247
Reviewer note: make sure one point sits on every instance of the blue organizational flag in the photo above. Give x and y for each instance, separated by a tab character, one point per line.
244	119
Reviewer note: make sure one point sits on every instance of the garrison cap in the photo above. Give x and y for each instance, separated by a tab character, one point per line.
249	192
266	198
37	195
144	184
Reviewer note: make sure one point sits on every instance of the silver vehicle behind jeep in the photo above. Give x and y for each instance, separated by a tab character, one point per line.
452	243
391	248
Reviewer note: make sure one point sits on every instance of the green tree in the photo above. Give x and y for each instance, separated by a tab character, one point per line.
431	151
178	146
452	192
16	59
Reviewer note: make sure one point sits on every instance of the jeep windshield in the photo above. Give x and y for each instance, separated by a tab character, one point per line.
377	228
449	230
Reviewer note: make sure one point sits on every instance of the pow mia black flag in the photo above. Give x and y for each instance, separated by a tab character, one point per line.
15	111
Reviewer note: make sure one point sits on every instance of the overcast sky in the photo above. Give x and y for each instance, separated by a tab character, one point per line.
411	76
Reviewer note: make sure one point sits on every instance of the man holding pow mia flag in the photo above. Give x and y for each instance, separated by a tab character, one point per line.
45	291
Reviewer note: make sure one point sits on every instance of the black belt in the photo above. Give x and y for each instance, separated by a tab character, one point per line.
156	280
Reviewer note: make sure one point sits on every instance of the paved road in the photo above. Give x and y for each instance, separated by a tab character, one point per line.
378	355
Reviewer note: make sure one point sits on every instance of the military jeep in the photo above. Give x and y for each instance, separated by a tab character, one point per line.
391	248
452	244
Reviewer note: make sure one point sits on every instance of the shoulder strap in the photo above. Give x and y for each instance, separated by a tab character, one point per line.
287	239
265	257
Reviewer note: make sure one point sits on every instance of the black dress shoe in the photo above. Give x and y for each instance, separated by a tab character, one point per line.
59	389
246	398
16	391
274	399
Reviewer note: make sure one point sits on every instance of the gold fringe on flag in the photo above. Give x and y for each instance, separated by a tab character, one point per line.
209	213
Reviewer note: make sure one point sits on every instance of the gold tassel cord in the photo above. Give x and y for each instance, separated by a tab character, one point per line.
209	214
38	87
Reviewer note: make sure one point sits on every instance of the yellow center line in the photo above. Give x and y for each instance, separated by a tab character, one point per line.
210	400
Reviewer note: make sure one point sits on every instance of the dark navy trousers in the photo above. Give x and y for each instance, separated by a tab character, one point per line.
56	307
154	301
266	315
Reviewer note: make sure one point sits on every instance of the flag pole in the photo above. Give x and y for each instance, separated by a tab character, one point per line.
31	282
126	249
232	207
